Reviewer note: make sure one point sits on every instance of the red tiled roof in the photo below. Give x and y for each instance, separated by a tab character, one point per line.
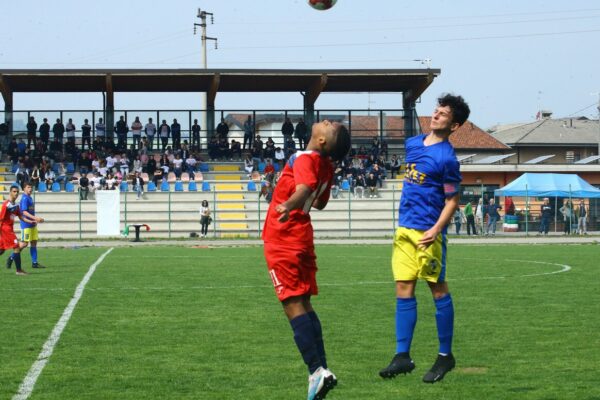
468	136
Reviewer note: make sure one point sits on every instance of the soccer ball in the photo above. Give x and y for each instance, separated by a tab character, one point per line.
321	5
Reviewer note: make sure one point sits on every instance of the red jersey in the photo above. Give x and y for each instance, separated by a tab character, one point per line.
8	212
304	167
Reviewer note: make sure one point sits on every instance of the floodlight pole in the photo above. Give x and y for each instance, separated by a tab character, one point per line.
202	15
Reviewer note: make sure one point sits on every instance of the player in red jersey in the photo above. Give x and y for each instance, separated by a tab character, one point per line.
305	182
8	239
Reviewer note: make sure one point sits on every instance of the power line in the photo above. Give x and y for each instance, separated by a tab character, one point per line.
583	109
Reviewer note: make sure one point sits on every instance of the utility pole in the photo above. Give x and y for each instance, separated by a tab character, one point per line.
202	15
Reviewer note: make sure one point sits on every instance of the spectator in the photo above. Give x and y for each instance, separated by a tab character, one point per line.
101	130
458	219
479	214
70	129
124	167
137	164
300	133
582	214
190	165
45	132
236	149
86	135
177	166
248	165
375	147
222	129
379	173
290	147
213	148
164	131
196	136
138	185
84	187
35	177
49	177
287	130
269	151
568	217
176	134
546	215
22	175
493	216
279	156
470	218
31	130
359	189
395	165
371	182
223	149
58	129
248	132
62	174
205	218
150	130
121	130
136	132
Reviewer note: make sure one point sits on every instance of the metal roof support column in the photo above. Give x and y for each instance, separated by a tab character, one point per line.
310	97
110	107
410	115
210	105
7	95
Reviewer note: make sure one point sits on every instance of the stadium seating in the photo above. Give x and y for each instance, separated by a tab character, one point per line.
42	188
123	187
205	187
56	187
14	168
276	167
192	187
179	186
261	167
69	187
203	167
345	185
151	187
251	186
55	167
185	177
164	186
70	168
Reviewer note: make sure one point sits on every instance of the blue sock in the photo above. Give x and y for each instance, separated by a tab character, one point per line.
33	252
17	259
406	319
444	317
318	337
304	336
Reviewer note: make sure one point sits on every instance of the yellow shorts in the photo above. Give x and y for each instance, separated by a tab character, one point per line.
29	234
409	263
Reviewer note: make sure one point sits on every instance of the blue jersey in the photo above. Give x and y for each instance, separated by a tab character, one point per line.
26	204
432	175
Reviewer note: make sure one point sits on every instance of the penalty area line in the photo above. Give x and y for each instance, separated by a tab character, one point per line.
26	387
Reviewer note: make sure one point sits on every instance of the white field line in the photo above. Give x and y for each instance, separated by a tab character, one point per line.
36	369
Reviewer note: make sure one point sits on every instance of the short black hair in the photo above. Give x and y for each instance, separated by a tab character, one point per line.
342	144
460	109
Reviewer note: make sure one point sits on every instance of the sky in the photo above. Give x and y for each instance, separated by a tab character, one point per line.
507	58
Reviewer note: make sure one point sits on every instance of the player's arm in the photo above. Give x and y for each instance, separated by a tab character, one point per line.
446	215
296	201
31	218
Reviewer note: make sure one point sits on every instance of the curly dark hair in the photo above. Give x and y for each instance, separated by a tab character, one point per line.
460	109
342	144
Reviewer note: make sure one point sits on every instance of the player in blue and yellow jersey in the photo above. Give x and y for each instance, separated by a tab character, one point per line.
29	230
430	196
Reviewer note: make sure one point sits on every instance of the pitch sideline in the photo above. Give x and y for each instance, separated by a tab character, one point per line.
26	387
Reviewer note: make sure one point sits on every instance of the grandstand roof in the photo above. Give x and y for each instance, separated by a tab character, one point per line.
415	81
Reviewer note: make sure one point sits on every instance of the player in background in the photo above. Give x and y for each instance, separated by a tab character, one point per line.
29	230
8	239
429	198
289	247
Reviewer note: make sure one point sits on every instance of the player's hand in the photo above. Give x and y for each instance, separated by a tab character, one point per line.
427	239
283	210
39	220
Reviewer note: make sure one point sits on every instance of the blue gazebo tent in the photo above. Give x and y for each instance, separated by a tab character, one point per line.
549	185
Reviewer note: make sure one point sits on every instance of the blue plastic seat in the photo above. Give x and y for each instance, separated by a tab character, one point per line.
192	187
251	186
55	168
56	187
69	187
70	168
179	186
151	187
164	186
123	187
14	168
205	187
203	167
345	185
42	188
276	167
261	167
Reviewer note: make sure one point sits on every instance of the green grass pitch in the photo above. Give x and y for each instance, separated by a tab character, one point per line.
191	323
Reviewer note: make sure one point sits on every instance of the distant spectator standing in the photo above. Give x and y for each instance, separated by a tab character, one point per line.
138	185
136	132
84	187
236	149
204	218
101	129
176	135
493	216
70	129
458	219
196	136
300	132
45	132
86	135
58	129
470	218
582	214
150	130
287	130
546	215
248	133
164	131
222	129
31	130
479	214
121	130
567	212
